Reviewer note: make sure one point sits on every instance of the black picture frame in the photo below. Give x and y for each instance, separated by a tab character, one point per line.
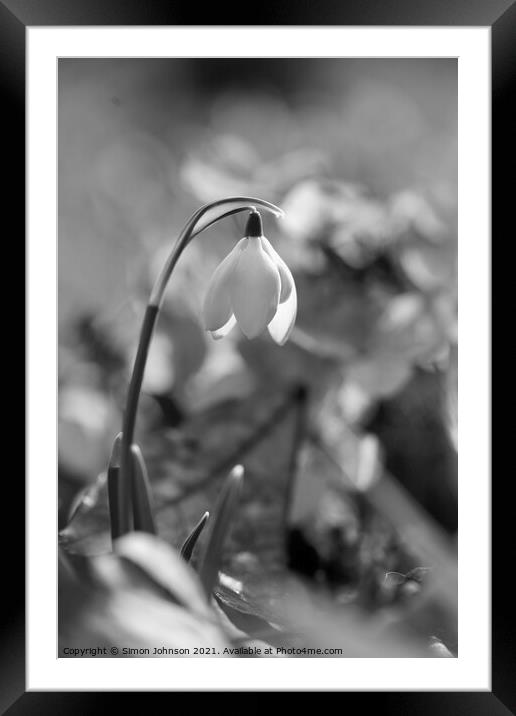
500	15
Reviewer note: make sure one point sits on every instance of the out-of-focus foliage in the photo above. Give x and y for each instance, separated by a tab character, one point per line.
144	596
361	400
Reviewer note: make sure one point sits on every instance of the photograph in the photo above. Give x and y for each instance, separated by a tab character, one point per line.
258	331
257	357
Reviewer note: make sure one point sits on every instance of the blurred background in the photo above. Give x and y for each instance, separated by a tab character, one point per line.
347	433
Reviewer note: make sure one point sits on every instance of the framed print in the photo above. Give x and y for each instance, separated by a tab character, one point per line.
258	303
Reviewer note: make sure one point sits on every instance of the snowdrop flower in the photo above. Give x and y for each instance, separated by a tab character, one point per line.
252	287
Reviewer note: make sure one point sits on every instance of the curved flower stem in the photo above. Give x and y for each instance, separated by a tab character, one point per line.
186	236
149	321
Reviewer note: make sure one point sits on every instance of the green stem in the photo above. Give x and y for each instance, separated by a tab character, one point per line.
124	511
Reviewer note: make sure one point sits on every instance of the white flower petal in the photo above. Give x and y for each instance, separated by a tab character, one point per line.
254	289
282	324
221	332
217	309
287	280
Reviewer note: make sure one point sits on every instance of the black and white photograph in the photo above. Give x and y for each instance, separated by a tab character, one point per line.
258	362
257	324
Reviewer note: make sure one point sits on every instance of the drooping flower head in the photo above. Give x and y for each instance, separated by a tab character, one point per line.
252	287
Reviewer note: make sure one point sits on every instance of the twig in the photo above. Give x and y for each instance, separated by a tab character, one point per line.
297	441
245	446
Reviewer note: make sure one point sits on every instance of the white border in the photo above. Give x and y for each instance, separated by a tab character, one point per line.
471	670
